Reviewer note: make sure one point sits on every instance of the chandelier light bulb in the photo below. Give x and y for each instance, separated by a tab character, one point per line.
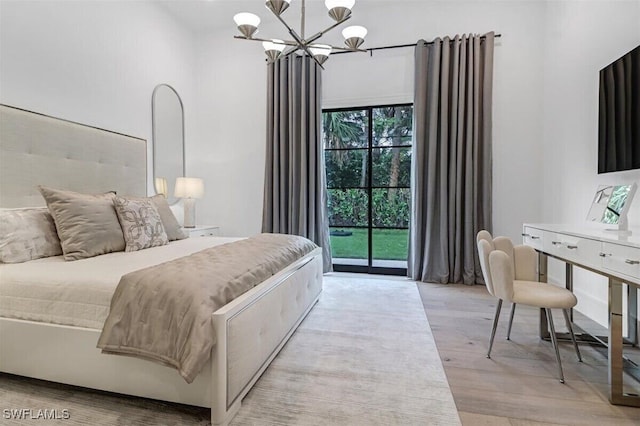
321	52
339	10
320	49
273	48
247	23
339	3
277	6
354	36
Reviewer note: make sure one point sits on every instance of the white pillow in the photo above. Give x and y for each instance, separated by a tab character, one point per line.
27	234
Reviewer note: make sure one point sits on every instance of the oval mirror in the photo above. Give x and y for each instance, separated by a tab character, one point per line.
168	140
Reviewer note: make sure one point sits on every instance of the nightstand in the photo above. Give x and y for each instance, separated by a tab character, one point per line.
203	231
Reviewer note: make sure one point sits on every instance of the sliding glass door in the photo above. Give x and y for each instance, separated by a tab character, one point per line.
368	162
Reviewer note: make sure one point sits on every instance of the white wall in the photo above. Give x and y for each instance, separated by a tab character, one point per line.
94	62
229	151
98	62
230	147
581	38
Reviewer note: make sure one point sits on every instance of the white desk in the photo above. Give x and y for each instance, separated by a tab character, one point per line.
605	253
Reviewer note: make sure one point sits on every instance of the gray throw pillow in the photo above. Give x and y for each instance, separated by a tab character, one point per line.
27	234
87	224
141	224
171	226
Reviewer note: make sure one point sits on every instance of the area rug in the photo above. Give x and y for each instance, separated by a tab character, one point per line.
365	355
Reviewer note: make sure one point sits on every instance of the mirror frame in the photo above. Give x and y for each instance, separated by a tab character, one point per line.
154	136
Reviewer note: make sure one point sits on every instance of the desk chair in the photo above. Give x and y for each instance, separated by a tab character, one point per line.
509	274
524	267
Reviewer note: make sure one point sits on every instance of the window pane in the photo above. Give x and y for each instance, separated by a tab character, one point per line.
391	167
348	207
392	125
390	245
349	243
345	129
391	207
346	169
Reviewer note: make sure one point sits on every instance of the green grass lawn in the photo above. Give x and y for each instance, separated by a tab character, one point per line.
388	244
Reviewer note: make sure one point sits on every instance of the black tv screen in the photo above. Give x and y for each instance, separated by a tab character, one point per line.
619	116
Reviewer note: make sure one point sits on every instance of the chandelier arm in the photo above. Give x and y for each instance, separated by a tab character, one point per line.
302	19
285	42
290	51
348	49
302	44
293	33
323	32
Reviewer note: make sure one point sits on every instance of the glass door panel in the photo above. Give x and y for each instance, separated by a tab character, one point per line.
368	165
390	248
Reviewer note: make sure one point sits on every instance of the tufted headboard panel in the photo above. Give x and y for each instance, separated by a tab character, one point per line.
36	149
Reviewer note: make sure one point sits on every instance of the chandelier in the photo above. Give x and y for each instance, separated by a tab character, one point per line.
339	11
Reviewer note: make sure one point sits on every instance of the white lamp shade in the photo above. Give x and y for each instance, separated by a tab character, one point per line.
274	44
320	49
348	4
245	18
187	187
354	31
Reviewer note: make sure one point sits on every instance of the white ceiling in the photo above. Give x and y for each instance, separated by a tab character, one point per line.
204	15
210	15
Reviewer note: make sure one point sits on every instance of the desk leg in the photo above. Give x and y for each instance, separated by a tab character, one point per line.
632	310
616	383
615	340
542	277
568	283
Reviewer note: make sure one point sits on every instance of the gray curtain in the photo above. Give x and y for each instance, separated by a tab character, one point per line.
295	194
451	175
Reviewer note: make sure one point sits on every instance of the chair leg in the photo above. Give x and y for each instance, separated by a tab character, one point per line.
513	311
495	326
573	336
554	341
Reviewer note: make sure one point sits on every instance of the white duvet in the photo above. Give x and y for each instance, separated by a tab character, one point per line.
78	293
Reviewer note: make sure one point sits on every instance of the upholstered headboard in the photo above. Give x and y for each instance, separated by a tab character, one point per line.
36	149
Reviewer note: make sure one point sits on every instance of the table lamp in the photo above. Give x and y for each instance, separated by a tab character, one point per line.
189	189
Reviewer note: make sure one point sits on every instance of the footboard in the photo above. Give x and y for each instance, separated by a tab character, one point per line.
252	329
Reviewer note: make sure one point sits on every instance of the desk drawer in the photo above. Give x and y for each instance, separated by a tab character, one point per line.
579	250
532	237
622	260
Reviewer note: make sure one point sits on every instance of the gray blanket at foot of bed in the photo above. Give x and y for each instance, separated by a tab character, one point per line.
163	313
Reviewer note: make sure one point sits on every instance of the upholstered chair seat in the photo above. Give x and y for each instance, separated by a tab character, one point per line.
509	274
542	295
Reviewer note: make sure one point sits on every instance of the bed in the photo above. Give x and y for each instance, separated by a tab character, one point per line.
51	311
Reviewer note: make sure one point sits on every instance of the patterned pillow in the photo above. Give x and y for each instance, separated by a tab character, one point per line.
27	234
140	222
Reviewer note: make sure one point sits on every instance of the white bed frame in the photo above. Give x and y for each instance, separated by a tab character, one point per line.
250	331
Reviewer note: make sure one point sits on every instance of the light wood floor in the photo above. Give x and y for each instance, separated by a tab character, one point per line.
518	386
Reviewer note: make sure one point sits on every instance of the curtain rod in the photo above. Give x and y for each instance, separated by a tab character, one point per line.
396	46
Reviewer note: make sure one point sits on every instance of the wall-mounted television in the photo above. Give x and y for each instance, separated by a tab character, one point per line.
619	114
